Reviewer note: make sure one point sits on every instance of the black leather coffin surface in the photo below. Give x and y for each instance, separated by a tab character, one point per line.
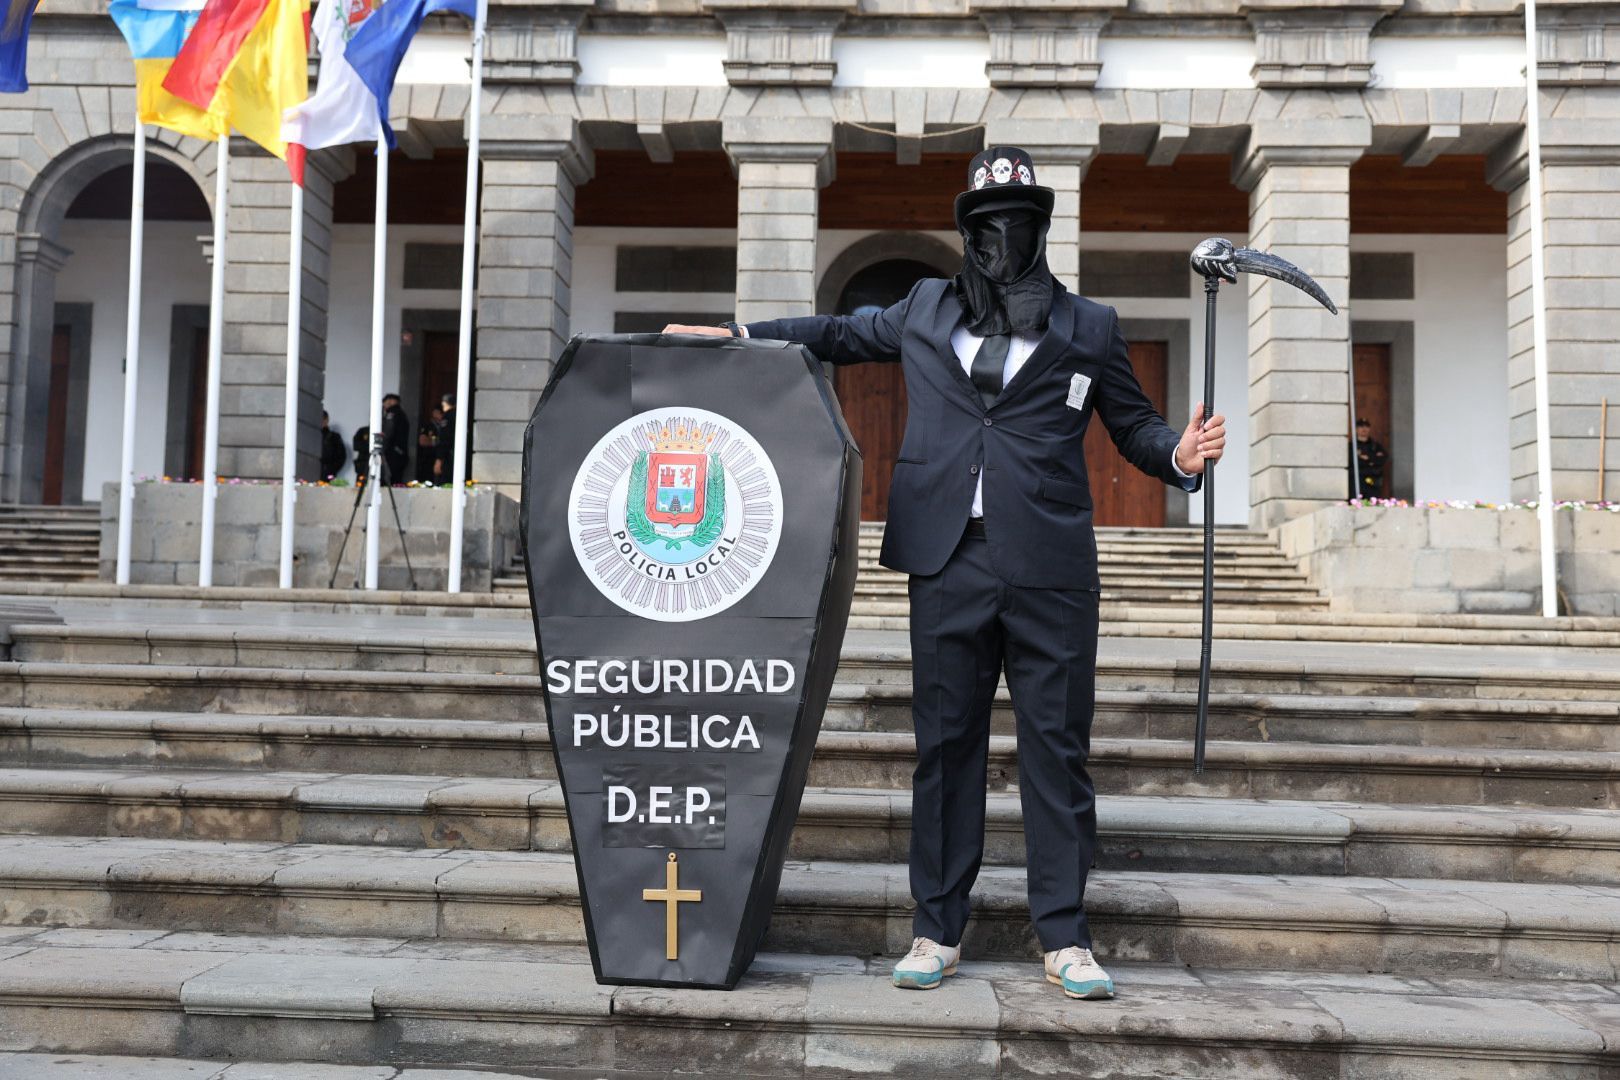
794	608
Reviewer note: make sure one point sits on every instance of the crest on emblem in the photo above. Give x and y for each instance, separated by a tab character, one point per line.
677	491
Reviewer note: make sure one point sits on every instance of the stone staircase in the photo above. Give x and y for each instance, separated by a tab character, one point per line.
1145	568
339	839
50	543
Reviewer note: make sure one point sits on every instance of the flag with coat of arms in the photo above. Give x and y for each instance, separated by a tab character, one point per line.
342	109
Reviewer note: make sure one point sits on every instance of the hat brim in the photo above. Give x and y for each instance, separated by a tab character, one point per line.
1004	197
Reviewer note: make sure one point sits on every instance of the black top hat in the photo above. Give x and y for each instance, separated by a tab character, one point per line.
1000	178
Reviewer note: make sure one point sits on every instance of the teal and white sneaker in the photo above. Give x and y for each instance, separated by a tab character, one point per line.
1078	972
926	965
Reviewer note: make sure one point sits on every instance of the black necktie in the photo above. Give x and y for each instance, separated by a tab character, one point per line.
988	365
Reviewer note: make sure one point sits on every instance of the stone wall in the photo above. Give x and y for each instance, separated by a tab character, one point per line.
1439	559
247	545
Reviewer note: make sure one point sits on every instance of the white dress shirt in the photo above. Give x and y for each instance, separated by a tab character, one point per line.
965	343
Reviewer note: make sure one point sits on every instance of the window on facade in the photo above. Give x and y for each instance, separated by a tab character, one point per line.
433	266
1134	274
1381	275
675	269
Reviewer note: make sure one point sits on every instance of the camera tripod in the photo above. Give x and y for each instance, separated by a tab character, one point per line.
376	466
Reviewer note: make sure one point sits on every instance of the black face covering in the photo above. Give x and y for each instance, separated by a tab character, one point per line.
1004	285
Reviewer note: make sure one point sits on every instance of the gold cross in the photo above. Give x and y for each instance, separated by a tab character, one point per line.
671	896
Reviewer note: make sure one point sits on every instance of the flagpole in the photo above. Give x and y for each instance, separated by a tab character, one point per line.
216	323
1538	320
132	354
379	269
289	426
469	235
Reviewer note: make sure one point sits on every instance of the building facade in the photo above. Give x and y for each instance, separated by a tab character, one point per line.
653	162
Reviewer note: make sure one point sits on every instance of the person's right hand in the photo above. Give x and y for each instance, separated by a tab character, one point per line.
708	331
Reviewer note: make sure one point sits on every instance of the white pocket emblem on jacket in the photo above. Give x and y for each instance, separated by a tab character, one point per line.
1079	385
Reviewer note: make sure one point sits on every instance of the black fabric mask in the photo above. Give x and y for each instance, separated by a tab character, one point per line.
1004	285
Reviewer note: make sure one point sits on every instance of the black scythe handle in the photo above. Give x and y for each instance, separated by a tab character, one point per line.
1212	287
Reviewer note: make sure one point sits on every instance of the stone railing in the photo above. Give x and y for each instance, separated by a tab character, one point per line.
247	539
1441	559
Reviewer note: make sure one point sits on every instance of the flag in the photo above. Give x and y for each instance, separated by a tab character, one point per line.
15	15
379	46
247	62
155	30
342	110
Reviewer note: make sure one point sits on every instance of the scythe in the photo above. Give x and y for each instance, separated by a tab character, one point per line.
1217	260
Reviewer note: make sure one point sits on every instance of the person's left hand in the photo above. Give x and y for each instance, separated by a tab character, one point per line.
1201	442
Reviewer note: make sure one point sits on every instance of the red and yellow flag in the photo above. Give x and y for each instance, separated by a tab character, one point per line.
247	62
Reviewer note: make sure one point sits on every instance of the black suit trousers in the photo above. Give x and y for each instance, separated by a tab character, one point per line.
967	625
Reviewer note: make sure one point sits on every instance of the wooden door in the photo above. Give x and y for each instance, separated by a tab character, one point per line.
56	416
1372	396
1121	494
439	352
873	397
197	406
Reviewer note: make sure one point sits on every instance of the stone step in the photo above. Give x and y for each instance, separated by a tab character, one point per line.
880	705
1162	591
1573	779
205	655
1280	568
1414	926
200	1002
1142	833
21	1065
1516	629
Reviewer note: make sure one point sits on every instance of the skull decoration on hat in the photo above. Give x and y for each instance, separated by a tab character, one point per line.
1002	176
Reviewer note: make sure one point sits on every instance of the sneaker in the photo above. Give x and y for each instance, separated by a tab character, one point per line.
1078	972
926	965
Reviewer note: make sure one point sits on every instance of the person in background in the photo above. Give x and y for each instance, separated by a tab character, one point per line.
362	453
332	452
396	440
445	467
1372	459
427	448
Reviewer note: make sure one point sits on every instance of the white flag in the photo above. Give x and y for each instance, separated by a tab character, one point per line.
341	110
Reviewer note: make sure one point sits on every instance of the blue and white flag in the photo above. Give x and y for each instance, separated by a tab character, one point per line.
378	47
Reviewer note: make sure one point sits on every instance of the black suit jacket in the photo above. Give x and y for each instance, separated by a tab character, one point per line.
1029	442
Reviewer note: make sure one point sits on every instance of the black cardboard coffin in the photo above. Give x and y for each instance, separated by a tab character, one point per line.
690	520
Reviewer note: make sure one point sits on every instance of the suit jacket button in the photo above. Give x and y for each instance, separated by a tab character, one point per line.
973	470
989	422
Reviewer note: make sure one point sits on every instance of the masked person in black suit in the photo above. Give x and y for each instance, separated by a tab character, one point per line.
990	514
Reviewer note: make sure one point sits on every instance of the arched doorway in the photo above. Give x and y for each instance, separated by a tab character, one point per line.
869	276
68	346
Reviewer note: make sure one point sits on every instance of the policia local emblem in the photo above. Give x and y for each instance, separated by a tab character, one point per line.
675	514
690	576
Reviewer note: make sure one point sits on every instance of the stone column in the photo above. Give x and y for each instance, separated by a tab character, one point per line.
254	347
39	260
1062	150
531	167
782	164
1298	175
1581	212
